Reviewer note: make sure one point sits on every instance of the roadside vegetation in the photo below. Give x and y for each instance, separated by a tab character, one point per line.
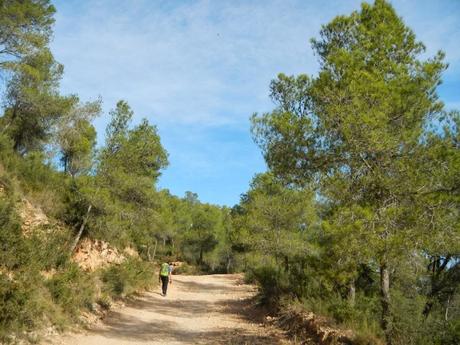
49	158
356	219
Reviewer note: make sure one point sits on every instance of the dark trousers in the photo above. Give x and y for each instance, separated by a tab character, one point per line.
164	284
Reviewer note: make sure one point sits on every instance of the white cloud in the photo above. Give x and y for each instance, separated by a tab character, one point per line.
196	66
199	62
206	62
453	106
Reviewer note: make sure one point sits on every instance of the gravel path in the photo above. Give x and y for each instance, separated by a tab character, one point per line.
212	309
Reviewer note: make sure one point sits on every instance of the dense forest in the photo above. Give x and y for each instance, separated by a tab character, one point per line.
356	219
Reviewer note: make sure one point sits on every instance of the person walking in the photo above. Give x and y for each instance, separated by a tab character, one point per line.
165	277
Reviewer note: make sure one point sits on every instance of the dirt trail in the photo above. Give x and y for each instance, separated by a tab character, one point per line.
213	309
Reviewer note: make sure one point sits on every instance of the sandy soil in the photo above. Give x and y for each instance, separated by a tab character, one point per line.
213	309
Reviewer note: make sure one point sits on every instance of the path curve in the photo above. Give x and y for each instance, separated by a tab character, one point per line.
208	309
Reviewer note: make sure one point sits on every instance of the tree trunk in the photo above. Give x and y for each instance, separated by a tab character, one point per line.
286	263
351	293
200	260
229	263
155	249
436	268
446	315
385	302
65	164
82	228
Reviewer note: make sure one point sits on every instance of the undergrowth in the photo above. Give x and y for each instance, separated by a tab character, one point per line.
130	276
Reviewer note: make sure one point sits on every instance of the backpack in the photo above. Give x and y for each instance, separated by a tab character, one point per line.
164	272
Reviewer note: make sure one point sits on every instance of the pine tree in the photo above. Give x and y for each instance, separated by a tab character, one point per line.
355	129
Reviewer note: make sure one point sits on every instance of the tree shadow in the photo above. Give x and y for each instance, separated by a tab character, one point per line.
131	325
172	307
191	286
134	329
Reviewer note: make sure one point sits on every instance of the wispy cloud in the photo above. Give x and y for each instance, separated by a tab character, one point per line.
201	67
197	62
207	62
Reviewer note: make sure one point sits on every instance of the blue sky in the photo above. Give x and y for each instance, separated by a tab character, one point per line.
199	69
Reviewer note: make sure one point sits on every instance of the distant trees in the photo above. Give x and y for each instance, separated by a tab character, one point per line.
202	234
112	194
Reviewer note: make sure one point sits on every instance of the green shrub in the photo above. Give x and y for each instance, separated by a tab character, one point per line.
72	289
14	314
23	304
130	276
48	248
436	330
341	310
12	247
273	283
452	333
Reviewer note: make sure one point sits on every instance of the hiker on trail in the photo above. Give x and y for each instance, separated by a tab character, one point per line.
165	276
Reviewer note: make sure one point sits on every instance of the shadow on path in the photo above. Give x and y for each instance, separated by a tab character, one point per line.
134	329
218	320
